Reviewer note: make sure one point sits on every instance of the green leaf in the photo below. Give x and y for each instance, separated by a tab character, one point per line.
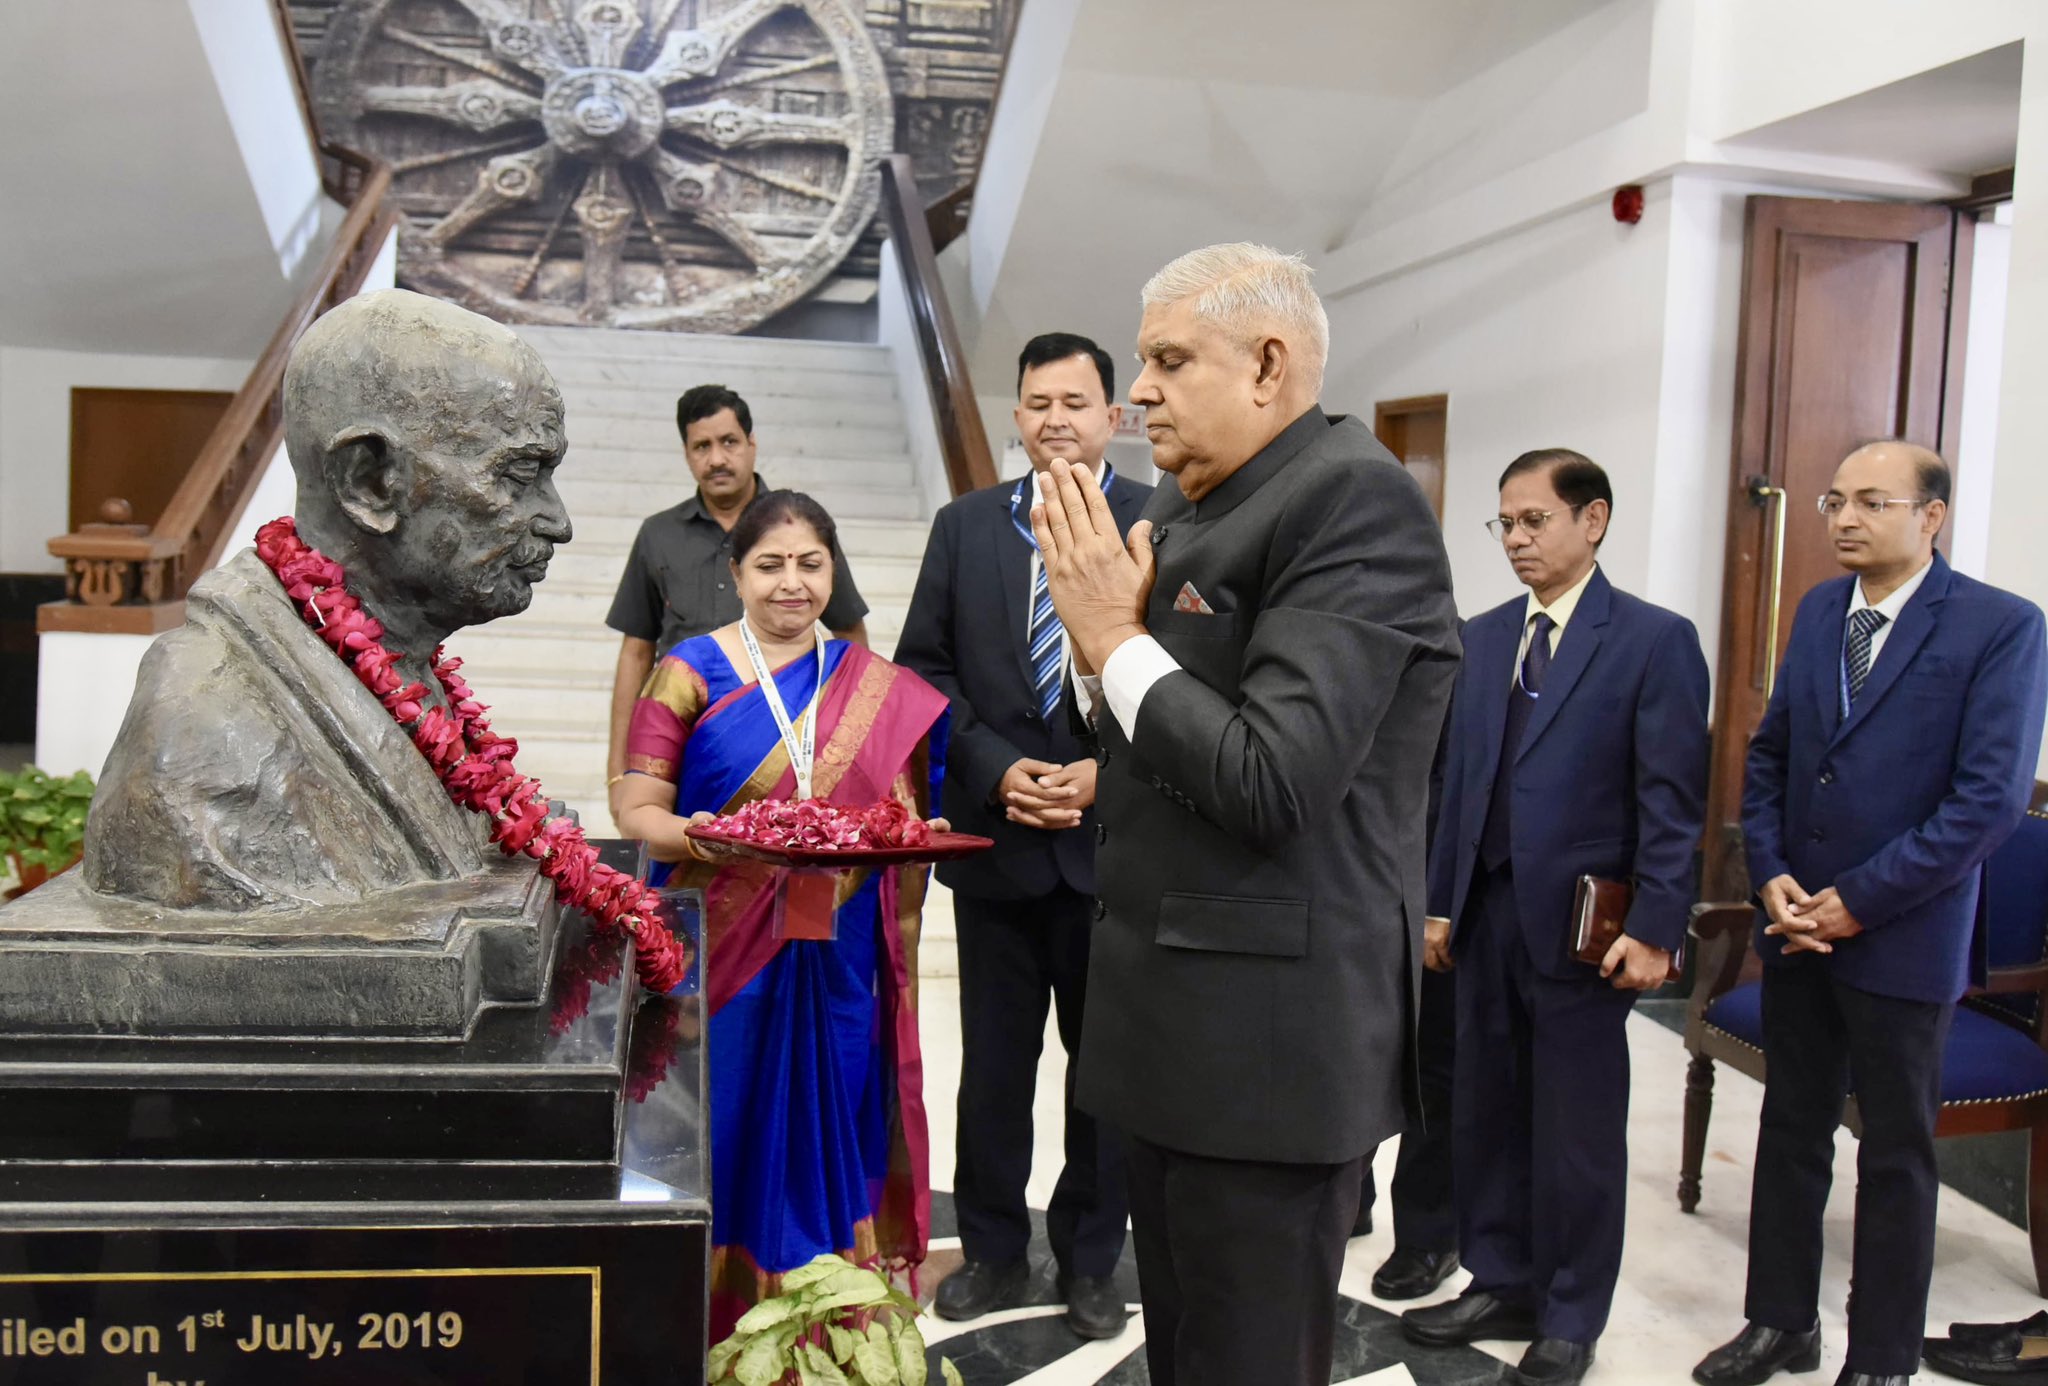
766	1358
874	1357
909	1346
767	1314
723	1356
822	1366
872	1287
807	1275
841	1341
951	1372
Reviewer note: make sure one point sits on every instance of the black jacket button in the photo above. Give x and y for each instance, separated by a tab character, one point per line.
1101	910
1818	836
1101	834
1102	755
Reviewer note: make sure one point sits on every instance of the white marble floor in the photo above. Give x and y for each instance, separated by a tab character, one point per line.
1682	1276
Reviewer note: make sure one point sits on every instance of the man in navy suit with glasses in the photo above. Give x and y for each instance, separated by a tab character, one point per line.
1577	746
1897	753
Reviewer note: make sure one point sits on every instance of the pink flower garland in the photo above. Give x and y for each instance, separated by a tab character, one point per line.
474	763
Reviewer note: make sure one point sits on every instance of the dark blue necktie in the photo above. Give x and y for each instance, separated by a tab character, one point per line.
1536	663
1496	838
1863	628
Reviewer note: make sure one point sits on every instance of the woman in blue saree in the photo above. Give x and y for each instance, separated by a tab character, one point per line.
818	1138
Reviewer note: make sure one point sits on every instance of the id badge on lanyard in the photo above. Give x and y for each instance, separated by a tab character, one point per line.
802	745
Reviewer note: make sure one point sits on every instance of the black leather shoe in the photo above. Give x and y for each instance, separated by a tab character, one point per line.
1411	1273
2035	1325
1361	1226
1849	1378
1757	1354
980	1287
1989	1354
1552	1362
1471	1316
1094	1308
1992	1358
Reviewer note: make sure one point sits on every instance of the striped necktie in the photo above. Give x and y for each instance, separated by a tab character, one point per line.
1047	649
1864	624
1042	637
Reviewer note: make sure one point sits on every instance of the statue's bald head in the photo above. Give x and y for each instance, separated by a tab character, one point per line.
408	368
424	438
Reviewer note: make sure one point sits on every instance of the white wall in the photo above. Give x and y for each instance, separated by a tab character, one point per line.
35	433
1550	337
83	683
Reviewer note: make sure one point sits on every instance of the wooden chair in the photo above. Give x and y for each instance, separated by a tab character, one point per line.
1995	1070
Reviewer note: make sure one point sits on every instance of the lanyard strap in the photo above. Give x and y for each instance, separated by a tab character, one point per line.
1021	517
803	751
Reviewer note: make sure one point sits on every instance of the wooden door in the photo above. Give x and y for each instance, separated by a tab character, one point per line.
136	445
1845	337
1413	430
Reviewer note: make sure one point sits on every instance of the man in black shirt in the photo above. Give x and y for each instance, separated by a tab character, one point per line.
678	578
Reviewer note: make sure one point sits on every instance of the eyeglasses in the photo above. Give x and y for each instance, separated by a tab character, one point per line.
1530	522
1872	507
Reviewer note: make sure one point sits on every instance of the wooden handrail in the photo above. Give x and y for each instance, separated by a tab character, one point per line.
969	463
132	579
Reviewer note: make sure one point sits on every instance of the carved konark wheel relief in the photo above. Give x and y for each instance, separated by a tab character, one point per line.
674	164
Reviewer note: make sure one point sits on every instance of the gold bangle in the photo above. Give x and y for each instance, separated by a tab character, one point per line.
615	779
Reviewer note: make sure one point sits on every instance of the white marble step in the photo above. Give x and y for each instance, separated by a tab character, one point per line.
612	535
632	501
662	378
774	413
662	470
582	343
656	434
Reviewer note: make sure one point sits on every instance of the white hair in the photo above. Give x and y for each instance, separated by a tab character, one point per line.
1244	288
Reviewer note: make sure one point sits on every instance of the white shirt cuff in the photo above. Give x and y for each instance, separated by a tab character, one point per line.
1087	694
1128	675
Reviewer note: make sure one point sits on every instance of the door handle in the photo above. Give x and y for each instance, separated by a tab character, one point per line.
1762	493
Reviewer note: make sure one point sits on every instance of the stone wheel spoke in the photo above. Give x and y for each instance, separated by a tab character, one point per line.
608	28
507	181
692	189
604	217
479	104
700	52
532	44
460	57
729	125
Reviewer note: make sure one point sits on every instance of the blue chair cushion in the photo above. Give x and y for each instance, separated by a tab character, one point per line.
1987	1060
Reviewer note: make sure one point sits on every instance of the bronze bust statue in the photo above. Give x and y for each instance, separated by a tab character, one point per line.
268	852
253	770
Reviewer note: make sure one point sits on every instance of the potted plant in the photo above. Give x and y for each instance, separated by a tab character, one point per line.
42	824
834	1324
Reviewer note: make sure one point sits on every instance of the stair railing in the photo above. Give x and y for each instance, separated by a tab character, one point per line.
962	438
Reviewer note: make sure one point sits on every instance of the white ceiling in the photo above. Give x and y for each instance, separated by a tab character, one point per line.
129	223
1177	123
1960	119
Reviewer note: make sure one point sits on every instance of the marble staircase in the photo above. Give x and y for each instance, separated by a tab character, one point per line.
828	420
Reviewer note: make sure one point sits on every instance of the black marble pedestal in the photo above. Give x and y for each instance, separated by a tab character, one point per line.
528	1205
